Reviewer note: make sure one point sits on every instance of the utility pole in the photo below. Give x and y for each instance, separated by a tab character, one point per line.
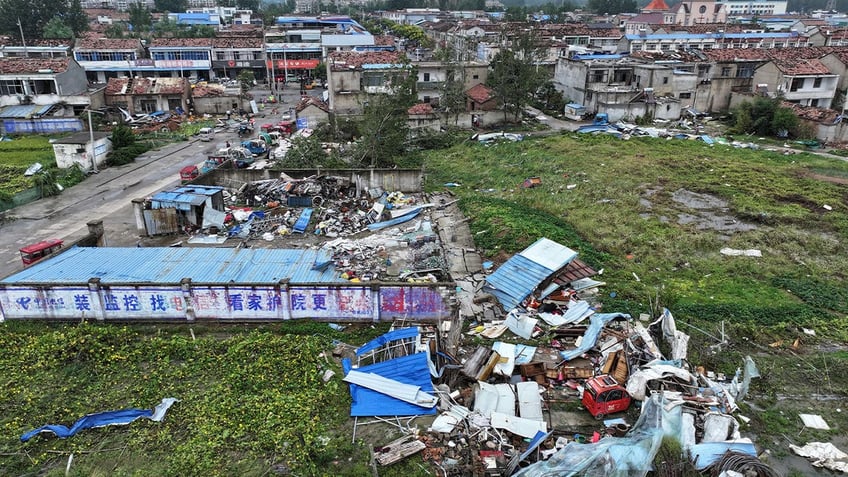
21	28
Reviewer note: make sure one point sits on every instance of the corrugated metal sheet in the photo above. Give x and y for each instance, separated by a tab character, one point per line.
172	264
25	111
513	281
161	221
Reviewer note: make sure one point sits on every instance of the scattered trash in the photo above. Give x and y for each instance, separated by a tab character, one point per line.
532	182
823	454
102	419
732	252
814	421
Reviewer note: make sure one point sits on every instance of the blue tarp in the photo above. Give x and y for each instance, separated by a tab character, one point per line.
303	221
103	419
596	324
397	220
411	369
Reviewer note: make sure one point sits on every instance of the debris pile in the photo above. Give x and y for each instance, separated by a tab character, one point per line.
502	408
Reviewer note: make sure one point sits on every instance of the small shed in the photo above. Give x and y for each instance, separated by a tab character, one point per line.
574	111
178	209
481	98
78	149
313	110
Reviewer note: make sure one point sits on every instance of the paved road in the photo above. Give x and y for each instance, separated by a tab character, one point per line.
107	196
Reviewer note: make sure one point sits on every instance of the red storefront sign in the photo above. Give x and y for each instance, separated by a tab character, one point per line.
294	64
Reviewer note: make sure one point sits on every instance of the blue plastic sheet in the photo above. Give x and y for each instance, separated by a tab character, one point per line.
596	324
103	419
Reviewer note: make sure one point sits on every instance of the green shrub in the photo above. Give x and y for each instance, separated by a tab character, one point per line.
126	155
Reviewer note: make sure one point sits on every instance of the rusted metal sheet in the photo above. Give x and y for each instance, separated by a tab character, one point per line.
161	221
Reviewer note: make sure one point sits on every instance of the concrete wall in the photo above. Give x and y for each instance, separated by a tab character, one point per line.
69	154
72	81
219	104
570	79
314	116
403	180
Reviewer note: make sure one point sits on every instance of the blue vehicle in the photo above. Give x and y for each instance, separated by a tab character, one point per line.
256	146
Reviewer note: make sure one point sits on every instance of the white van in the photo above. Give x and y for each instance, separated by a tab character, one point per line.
206	134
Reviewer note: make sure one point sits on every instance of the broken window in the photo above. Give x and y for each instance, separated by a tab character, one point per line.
725	71
797	83
745	70
372	79
11	87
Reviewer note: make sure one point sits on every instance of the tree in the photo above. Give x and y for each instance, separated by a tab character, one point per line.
170	5
246	80
32	14
140	17
765	117
452	98
515	76
76	18
56	28
384	125
320	71
611	7
122	136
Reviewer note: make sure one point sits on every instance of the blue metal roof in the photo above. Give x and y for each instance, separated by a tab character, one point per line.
172	264
24	111
513	281
183	197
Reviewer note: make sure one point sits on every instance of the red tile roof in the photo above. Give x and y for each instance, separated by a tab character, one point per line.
147	86
810	113
207	91
655	5
170	42
116	86
802	67
238	42
107	44
307	101
33	65
16	41
420	109
480	93
341	60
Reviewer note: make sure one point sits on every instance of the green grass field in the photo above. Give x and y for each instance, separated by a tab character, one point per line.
16	156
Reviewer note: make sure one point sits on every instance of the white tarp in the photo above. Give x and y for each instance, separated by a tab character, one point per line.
521	325
679	340
719	427
518	425
390	387
823	454
638	381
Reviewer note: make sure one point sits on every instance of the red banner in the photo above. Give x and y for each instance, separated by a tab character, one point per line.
294	64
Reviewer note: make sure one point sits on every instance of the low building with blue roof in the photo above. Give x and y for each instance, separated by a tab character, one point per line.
176	284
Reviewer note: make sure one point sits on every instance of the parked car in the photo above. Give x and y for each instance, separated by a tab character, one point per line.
602	396
206	134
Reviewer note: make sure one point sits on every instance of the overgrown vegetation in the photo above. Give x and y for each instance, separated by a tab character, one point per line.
24	151
249	403
617	203
125	147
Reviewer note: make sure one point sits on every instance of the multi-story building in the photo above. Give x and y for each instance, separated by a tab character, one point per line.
40	48
181	57
678	41
296	45
433	76
754	7
42	81
104	58
352	76
232	54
